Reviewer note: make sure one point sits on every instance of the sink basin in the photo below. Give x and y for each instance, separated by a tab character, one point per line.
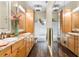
75	31
10	39
3	43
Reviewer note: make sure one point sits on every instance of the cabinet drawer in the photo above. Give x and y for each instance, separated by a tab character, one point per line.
14	54
78	51
17	45
65	41
6	52
71	43
21	52
76	45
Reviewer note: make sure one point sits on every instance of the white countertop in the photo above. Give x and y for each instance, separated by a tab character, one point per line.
9	42
12	40
72	33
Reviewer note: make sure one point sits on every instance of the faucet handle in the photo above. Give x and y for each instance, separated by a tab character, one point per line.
1	35
5	35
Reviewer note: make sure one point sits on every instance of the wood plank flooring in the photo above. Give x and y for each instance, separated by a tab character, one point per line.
61	51
41	50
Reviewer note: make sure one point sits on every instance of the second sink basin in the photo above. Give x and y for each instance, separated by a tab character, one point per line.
10	39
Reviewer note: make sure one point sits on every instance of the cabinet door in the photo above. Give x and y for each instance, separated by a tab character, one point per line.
76	45
14	54
71	43
64	40
65	20
27	47
5	52
30	21
29	44
21	52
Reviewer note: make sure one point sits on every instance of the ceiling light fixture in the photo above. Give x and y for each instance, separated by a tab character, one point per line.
55	8
38	9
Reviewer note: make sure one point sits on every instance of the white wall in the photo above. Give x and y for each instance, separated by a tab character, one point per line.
40	30
56	30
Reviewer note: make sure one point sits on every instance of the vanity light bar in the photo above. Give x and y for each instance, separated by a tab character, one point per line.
66	14
76	9
55	8
21	8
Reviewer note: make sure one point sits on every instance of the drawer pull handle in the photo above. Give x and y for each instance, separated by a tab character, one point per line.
6	55
17	51
64	42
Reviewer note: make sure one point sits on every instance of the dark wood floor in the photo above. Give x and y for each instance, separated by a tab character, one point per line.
61	51
41	50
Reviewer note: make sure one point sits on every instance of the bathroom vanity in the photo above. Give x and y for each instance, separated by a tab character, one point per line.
17	46
69	23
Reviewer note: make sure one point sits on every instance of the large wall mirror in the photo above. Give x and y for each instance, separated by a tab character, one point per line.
18	9
75	16
73	13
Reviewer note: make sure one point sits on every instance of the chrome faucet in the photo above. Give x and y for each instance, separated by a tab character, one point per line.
3	35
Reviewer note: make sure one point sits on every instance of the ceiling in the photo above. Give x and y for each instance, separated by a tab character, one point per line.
40	5
72	5
35	5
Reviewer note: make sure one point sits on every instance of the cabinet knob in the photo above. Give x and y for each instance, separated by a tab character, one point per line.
64	42
6	54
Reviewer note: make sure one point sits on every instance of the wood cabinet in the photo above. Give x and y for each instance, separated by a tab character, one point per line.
17	45
76	45
18	49
21	52
5	52
22	48
68	23
30	21
71	43
14	54
65	20
68	41
64	40
29	45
